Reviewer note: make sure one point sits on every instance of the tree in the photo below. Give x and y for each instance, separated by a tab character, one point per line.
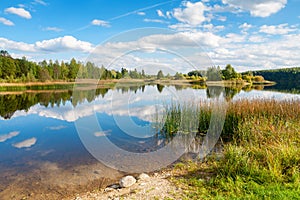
178	76
143	74
73	69
64	71
229	73
259	78
44	75
134	74
160	75
56	70
124	72
196	73
8	67
4	53
214	74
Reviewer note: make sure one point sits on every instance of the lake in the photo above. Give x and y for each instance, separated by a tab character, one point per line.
51	141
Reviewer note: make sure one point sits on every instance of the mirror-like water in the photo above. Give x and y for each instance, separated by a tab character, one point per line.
41	152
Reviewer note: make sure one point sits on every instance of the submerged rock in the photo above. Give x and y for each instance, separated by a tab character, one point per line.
127	181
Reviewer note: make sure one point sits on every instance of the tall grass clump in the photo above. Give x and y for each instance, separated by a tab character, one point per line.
261	158
185	118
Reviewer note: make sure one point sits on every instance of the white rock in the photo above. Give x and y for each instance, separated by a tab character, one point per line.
127	181
143	177
142	184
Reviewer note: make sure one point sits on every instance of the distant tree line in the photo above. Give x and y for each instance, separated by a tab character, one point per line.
286	76
229	73
22	70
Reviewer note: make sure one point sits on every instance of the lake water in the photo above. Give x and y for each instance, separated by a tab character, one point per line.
47	138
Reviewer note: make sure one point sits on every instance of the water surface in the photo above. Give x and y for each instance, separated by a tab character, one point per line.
42	152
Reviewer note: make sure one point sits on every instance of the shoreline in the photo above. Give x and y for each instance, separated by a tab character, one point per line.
136	81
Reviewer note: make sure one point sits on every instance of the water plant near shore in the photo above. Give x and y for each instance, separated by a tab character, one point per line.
261	159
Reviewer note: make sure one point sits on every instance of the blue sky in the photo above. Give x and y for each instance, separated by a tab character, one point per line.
258	34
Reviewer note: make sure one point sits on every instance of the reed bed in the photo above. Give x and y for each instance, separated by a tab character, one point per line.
261	159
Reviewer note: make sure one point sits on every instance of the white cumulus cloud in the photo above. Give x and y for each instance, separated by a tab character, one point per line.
245	26
280	29
192	14
6	21
19	11
258	8
13	45
62	44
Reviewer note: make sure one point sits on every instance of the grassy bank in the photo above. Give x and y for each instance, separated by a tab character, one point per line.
260	161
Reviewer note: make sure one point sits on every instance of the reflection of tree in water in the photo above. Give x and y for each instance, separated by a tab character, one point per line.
258	87
180	87
230	92
130	88
10	103
160	87
214	91
217	91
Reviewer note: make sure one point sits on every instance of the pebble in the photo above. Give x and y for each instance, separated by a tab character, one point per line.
143	177
115	186
108	189
127	181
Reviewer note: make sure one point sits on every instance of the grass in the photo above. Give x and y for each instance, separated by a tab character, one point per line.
260	161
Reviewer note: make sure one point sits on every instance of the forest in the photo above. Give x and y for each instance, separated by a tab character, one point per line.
22	70
289	77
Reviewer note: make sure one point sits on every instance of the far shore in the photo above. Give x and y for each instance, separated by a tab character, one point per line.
96	81
135	81
237	83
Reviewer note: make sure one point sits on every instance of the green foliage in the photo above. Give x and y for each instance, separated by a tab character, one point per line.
214	74
287	77
197	73
14	70
160	74
44	75
258	78
179	76
261	161
229	73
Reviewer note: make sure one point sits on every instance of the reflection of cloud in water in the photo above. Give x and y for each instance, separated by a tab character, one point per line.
26	143
143	105
264	95
102	133
56	128
5	137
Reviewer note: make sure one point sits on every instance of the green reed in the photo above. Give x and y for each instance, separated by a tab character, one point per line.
261	159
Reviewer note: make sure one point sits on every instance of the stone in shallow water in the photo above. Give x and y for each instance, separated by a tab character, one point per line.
127	181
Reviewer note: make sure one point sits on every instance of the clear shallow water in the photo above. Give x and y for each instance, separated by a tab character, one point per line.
39	142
